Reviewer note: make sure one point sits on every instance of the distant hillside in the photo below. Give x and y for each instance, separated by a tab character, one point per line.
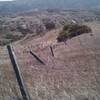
13	28
16	6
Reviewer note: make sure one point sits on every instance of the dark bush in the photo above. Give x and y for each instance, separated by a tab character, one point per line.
12	37
4	42
50	25
72	30
24	31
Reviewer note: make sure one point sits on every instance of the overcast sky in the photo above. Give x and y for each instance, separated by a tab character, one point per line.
6	0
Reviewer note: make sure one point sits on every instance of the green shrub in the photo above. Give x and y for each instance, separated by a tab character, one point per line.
72	30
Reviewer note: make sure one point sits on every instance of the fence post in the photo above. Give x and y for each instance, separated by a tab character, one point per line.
19	78
37	58
52	51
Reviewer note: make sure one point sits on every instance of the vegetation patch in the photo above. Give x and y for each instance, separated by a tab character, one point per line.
50	25
8	38
71	30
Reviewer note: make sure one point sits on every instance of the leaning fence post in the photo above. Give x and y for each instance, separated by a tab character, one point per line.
37	58
19	78
52	51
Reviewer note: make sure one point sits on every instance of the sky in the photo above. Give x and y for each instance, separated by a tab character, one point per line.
6	0
51	4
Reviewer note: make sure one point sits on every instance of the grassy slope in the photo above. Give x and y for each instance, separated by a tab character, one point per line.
72	73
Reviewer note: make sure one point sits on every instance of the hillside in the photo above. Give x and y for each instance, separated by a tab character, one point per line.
16	27
70	55
72	74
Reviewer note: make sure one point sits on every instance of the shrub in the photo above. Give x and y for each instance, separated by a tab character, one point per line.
72	30
12	37
50	25
23	30
4	42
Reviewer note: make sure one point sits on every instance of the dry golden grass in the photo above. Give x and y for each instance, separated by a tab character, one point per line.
73	74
